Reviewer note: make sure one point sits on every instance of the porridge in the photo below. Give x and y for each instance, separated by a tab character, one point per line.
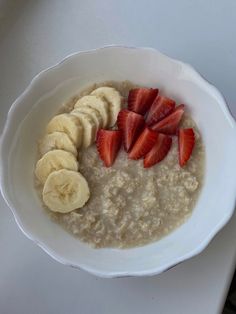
131	199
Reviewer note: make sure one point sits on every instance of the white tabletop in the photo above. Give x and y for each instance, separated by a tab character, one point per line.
35	35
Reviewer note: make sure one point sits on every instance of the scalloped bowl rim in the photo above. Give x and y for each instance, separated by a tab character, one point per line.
202	245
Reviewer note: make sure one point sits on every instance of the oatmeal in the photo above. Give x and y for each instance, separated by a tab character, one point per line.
130	205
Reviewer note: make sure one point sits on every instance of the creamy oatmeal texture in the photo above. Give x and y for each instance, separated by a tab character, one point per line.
130	205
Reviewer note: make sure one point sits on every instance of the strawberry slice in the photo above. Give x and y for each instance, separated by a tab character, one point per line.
131	124
108	145
158	151
186	144
144	143
170	123
140	99
160	108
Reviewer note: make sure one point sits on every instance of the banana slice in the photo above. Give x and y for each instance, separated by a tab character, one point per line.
89	127
69	124
93	113
54	160
96	103
114	99
65	190
57	140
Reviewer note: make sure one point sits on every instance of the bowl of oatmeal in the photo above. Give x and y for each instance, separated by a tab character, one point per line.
119	161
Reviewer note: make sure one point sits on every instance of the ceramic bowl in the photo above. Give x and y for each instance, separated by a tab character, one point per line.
30	113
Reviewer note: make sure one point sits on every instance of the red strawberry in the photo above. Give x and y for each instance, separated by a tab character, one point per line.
170	123
131	124
108	145
186	144
144	143
160	108
140	99
158	151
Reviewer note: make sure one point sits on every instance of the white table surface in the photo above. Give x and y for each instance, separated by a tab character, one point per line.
37	34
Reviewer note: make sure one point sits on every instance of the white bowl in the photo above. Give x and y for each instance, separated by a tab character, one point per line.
30	113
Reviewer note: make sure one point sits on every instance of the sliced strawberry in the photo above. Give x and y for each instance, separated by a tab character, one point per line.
131	124
170	123
140	99
144	143
186	144
108	145
158	151
160	108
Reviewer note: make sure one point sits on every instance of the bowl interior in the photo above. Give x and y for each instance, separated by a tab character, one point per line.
146	67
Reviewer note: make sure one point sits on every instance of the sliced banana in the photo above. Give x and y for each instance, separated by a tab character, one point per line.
96	103
93	113
57	140
54	160
69	124
65	190
89	127
114	99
